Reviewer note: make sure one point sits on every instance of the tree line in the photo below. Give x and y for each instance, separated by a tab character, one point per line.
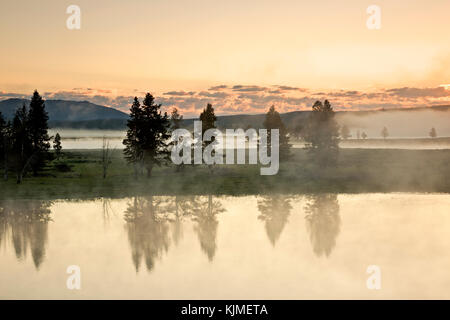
24	141
147	142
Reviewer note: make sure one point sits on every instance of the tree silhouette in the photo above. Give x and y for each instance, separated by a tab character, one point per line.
274	211
384	133
22	147
433	133
148	132
273	121
175	119
322	134
57	146
208	119
4	145
38	130
323	222
133	151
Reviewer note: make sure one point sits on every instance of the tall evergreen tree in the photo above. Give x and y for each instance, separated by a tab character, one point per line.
38	129
4	145
133	151
208	119
148	134
21	144
322	134
273	121
57	146
175	119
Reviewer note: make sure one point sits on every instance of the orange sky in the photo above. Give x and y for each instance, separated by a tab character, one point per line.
166	46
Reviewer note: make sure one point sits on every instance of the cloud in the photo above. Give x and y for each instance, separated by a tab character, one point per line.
216	88
407	92
257	99
241	88
179	93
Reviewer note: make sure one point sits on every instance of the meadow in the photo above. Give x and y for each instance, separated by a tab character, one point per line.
78	175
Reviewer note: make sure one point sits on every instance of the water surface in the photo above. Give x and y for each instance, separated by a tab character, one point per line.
210	247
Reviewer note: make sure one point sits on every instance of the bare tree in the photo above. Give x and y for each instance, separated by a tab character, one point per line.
106	156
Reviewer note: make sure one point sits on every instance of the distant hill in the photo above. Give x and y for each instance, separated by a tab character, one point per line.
66	111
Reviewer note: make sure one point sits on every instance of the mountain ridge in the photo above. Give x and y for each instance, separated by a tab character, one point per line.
88	115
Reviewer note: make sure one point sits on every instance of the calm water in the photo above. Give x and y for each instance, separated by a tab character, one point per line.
209	247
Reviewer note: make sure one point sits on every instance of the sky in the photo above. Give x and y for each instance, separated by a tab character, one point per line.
241	56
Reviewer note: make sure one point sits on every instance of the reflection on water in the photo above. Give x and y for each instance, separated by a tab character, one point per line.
148	232
25	224
149	219
323	222
274	212
204	213
266	246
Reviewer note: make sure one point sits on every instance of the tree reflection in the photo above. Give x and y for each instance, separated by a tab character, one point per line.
323	222
204	214
274	211
149	221
148	231
26	222
181	207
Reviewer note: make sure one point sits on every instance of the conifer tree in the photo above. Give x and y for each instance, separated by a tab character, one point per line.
322	134
57	146
22	146
147	136
38	131
273	121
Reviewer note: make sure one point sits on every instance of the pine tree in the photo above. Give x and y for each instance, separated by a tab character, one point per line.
147	135
132	151
273	121
208	119
4	145
175	119
38	128
57	145
22	146
322	134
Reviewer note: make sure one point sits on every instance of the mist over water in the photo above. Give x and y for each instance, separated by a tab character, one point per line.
400	124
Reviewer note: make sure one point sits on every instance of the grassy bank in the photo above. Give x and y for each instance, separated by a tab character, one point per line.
358	170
